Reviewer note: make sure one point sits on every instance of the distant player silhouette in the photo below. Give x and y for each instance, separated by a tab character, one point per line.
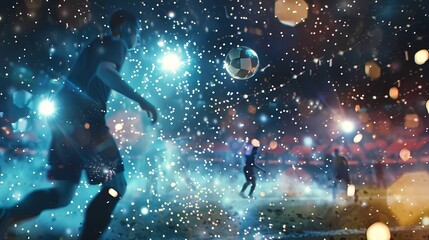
80	138
379	173
341	171
155	158
249	172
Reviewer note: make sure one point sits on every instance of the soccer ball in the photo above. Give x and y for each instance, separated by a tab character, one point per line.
241	63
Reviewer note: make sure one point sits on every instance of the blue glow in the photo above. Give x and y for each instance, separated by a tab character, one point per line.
46	108
171	62
308	141
263	118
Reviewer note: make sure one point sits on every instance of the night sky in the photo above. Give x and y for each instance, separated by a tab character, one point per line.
310	80
308	73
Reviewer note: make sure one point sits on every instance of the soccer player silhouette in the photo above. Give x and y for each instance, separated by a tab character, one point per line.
249	172
80	138
341	171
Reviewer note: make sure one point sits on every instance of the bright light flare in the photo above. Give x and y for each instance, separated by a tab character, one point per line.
46	107
171	62
347	126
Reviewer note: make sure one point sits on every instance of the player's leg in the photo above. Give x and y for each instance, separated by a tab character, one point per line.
34	203
252	188
246	184
98	214
107	159
334	188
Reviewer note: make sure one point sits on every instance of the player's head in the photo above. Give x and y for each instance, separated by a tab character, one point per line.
125	25
336	152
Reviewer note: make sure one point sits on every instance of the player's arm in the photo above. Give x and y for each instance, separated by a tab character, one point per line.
260	168
346	163
107	72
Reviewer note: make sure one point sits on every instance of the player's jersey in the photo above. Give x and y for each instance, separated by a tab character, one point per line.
250	161
340	163
83	73
340	167
80	137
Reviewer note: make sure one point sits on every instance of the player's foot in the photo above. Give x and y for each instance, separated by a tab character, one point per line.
252	197
4	221
242	195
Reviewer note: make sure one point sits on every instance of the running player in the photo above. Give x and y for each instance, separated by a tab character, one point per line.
80	137
249	172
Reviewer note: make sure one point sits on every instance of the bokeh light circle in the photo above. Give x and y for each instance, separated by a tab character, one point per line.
255	142
405	154
393	92
378	231
358	138
421	57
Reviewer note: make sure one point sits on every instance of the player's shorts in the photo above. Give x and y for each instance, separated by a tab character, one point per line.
81	141
343	176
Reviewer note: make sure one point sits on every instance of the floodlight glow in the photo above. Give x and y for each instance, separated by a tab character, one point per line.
308	141
347	126
46	107
171	62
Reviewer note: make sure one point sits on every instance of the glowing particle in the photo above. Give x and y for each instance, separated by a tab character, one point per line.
144	210
358	138
119	126
113	192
